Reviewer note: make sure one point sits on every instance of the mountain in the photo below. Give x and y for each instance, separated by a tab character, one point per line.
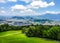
39	17
50	16
32	18
23	17
45	16
36	19
17	17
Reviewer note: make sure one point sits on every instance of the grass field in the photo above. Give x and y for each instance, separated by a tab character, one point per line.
18	37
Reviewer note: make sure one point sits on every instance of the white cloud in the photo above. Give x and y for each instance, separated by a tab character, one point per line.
28	12
3	11
27	1
2	1
12	0
23	10
40	4
19	7
52	4
51	12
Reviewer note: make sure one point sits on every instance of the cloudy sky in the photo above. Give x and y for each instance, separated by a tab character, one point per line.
28	7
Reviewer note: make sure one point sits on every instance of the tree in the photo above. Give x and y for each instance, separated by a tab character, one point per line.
53	32
25	30
31	32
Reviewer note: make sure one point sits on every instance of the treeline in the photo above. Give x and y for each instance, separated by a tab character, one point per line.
43	31
6	27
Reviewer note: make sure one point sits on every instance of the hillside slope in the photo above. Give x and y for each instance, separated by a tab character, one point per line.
18	37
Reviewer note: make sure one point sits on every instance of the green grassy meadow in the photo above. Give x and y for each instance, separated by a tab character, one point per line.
19	37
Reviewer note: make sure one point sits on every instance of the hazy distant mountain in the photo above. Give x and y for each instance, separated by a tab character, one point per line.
50	16
36	19
45	16
32	18
23	17
17	17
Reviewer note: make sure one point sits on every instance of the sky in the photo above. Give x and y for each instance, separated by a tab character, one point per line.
29	7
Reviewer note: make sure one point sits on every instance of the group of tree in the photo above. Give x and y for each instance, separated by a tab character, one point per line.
6	27
43	31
